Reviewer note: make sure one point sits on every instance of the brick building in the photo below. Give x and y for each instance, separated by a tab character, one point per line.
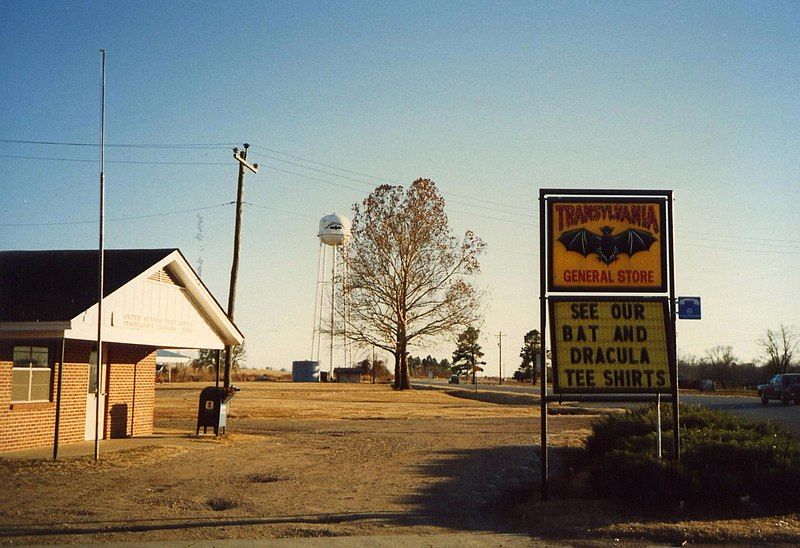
48	332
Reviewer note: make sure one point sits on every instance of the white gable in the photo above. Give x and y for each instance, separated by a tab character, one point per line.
166	306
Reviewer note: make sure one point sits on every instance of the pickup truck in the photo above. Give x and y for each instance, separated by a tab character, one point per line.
783	387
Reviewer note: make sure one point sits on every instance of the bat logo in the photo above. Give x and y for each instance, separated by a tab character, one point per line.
606	246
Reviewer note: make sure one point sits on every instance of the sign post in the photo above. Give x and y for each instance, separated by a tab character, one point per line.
607	288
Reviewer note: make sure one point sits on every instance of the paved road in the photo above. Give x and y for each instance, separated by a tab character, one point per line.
745	406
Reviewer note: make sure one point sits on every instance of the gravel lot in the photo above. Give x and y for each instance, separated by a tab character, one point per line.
331	461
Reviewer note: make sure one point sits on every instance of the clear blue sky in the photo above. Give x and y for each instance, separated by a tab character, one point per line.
491	100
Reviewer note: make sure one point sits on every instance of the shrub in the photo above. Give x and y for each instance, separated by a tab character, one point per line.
724	460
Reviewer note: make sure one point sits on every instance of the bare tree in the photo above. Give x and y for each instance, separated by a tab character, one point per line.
720	365
721	355
408	275
238	357
778	348
687	359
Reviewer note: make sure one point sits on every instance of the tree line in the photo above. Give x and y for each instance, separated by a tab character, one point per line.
779	349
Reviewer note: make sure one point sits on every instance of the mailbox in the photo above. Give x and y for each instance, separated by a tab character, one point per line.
213	408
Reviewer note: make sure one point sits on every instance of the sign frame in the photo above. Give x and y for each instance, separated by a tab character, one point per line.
669	343
547	289
624	197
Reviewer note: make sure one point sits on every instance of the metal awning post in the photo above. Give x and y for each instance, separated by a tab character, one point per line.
58	398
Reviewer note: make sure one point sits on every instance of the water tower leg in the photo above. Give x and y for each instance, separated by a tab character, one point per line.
314	331
333	303
348	348
345	318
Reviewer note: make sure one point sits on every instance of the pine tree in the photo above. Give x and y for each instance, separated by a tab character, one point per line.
467	352
530	349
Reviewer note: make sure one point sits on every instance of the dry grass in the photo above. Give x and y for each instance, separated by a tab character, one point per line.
263	400
117	459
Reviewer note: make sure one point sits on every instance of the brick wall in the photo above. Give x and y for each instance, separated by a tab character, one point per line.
131	391
129	404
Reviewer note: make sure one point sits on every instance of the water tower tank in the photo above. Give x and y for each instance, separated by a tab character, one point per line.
334	229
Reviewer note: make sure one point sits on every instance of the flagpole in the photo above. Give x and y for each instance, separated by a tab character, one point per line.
99	364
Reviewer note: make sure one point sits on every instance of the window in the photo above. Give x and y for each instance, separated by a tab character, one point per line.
30	375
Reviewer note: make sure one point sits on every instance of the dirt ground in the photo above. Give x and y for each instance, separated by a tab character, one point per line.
324	460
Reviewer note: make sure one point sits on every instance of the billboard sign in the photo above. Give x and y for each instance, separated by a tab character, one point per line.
611	345
607	244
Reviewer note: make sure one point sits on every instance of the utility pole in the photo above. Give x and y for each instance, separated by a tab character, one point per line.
500	344
241	157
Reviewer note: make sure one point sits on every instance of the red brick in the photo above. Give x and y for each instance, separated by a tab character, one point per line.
130	383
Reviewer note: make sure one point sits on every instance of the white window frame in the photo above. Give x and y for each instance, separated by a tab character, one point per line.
30	371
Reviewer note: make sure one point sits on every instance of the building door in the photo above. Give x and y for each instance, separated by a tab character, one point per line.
91	398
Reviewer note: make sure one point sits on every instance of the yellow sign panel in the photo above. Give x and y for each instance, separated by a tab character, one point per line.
607	244
613	345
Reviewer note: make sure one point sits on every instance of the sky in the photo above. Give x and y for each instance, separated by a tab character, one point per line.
493	101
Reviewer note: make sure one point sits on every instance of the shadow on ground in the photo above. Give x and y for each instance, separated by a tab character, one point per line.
467	489
498	490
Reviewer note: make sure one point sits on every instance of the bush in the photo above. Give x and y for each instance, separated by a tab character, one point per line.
724	460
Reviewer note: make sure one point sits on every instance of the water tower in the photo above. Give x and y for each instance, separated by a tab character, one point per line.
334	233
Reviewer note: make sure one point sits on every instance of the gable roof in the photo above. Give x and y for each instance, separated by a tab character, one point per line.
57	291
47	286
171	354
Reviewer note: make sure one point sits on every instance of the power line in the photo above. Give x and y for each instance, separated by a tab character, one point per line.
748	250
377	178
365	182
122	145
129	218
325	181
83	160
727	236
285	211
177	212
518	223
531	214
384	179
210	146
361	192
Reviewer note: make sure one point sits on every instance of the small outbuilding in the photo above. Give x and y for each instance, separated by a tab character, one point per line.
167	360
347	374
305	371
152	300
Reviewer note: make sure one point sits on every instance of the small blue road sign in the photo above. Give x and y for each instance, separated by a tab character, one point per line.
689	308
